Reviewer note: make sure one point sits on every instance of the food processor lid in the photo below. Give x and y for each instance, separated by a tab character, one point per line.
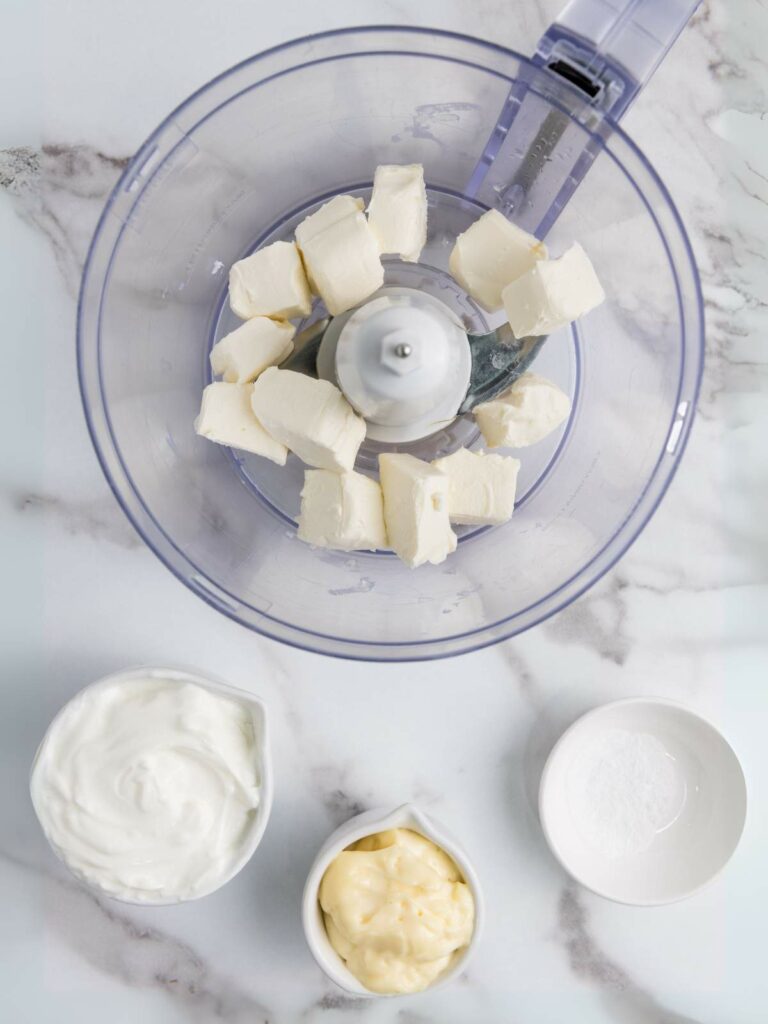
403	361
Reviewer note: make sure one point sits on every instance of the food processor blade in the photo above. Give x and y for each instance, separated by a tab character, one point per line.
498	359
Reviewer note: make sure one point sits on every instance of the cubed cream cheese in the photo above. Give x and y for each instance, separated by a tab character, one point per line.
226	417
343	262
309	416
416	510
523	414
481	488
397	212
330	213
343	511
247	351
271	282
552	294
489	254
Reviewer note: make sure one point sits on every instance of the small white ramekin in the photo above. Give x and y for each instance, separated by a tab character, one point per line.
366	824
259	712
687	853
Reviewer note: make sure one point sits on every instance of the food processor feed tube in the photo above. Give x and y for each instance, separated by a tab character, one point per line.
589	66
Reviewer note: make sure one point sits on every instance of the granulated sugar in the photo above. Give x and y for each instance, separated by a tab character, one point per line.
624	789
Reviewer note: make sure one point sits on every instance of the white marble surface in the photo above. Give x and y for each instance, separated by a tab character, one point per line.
682	615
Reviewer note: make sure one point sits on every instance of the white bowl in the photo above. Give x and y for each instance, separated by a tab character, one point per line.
264	809
366	824
681	820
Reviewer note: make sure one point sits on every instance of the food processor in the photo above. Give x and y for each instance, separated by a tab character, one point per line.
246	158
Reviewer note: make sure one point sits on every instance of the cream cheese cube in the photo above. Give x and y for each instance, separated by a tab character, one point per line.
271	282
309	416
226	417
481	488
523	414
248	350
328	214
552	294
489	254
343	262
343	511
397	212
416	510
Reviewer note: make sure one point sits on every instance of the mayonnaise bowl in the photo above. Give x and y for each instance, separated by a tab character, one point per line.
407	816
154	785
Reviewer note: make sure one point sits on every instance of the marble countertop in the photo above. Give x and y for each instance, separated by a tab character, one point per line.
683	614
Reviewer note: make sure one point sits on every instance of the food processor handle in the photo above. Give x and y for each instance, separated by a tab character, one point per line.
607	40
588	67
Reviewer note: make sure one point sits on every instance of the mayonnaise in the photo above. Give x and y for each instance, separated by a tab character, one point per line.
397	910
147	788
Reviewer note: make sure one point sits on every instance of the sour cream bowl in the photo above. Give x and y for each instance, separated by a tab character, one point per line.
161	774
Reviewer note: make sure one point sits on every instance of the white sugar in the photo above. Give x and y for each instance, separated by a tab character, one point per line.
624	789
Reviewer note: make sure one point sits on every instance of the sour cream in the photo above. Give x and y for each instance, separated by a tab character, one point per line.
148	788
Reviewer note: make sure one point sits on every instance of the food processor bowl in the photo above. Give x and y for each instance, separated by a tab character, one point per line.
238	165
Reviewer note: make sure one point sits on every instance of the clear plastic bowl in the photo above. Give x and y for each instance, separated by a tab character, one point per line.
237	165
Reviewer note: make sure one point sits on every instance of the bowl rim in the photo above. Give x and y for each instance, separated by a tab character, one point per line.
545	818
463	642
379	819
266	789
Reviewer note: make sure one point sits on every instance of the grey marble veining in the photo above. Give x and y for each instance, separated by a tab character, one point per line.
626	1001
59	190
99	519
142	956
